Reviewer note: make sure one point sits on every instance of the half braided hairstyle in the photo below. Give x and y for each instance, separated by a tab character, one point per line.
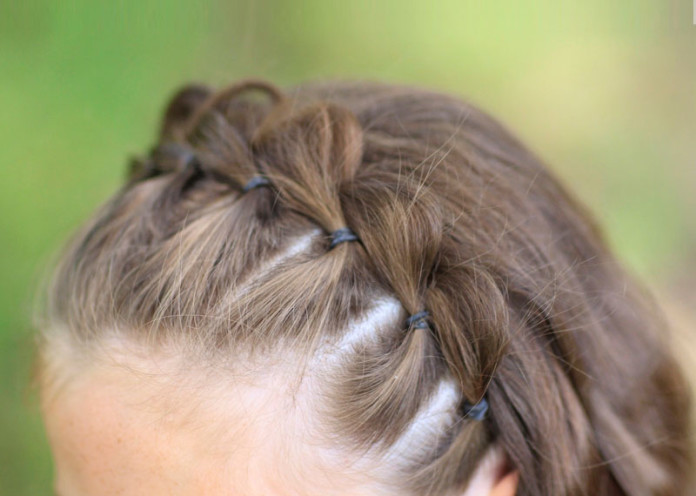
442	286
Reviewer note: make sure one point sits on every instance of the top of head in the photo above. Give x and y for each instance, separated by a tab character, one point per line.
525	305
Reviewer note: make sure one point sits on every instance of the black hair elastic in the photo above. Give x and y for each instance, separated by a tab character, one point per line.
256	182
183	154
165	158
418	320
342	235
477	411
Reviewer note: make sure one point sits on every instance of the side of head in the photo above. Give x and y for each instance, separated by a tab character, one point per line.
201	287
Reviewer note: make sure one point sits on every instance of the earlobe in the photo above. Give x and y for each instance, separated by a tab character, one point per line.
507	485
493	476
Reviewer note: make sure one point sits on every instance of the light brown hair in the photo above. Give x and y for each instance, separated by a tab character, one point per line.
528	307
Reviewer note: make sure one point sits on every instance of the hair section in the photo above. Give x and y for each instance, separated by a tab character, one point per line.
451	214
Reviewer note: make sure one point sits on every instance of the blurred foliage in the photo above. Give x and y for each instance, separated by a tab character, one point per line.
603	91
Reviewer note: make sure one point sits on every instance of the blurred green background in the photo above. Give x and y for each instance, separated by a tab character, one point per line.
604	91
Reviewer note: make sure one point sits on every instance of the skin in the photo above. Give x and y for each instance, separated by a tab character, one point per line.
159	428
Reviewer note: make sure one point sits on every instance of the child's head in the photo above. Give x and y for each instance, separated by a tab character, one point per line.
352	289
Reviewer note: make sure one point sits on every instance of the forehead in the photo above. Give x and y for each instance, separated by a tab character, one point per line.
158	430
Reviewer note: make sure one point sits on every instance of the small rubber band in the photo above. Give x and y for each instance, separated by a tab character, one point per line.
477	411
256	182
418	320
189	158
342	235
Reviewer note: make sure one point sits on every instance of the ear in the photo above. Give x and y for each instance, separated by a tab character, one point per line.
493	477
507	484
